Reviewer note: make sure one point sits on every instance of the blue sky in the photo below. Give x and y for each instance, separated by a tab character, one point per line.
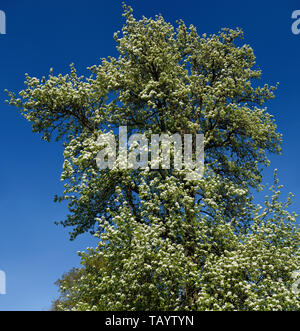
34	252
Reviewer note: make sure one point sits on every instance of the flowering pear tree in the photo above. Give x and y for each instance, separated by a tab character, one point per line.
167	242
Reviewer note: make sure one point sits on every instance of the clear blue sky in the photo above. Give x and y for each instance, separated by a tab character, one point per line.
34	252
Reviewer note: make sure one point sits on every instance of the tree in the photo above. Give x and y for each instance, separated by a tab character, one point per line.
228	271
69	281
169	242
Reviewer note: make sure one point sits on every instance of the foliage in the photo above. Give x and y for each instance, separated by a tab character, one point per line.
225	271
168	242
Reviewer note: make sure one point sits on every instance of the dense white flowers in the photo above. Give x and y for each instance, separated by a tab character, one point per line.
165	242
139	267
